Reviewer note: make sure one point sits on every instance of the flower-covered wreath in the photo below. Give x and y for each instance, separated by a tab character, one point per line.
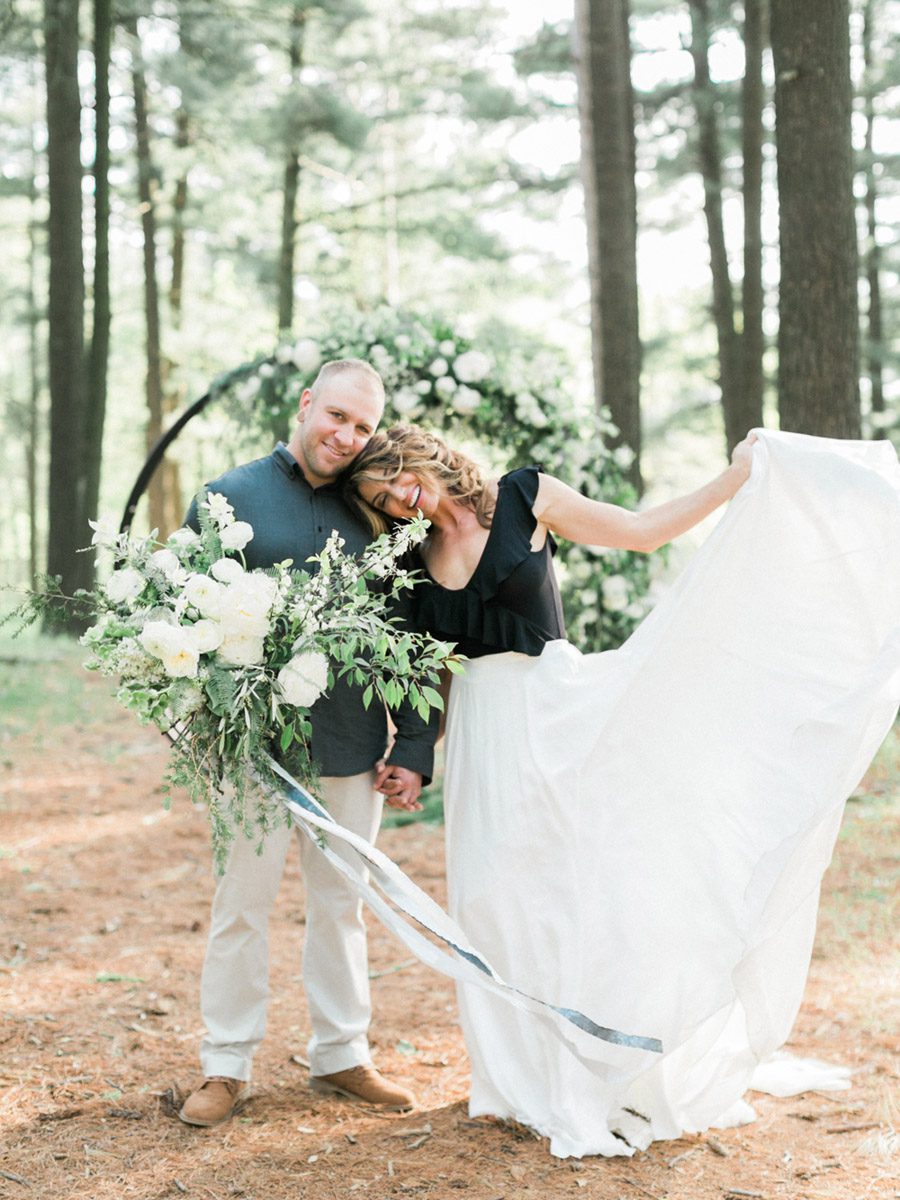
512	404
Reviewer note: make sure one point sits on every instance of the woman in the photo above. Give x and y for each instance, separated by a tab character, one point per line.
634	834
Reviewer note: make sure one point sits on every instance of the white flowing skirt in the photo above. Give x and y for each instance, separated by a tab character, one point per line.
641	834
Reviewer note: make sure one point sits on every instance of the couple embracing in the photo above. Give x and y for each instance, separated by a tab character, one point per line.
639	833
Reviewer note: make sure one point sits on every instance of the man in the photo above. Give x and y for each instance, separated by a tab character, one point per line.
293	500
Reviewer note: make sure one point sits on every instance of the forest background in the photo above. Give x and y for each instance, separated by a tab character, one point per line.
188	185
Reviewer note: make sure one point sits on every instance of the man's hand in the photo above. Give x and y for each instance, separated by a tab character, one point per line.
399	786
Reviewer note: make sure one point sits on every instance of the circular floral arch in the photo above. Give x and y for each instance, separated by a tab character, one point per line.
510	407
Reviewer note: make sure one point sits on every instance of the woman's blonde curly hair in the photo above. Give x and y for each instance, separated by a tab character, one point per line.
411	448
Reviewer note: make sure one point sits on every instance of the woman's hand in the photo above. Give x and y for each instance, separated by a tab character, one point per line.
742	457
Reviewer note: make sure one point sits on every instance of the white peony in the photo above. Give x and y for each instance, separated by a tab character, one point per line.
402	341
422	386
306	355
615	592
466	400
236	536
623	457
226	570
173	645
219	509
447	347
304	678
439	367
204	594
241	651
445	386
124	585
472	367
245	606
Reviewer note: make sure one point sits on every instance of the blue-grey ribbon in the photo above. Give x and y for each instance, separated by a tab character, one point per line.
465	964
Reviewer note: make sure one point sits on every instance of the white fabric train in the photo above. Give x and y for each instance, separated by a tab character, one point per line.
644	831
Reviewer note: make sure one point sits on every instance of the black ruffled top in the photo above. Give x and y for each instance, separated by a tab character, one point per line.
512	600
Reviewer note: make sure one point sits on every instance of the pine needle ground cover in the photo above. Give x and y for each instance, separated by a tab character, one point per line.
105	902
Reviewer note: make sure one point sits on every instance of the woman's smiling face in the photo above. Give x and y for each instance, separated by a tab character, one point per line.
401	497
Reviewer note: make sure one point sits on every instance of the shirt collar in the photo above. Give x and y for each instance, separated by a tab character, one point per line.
286	462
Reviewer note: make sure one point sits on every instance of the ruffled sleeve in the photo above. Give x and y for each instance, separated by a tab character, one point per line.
512	601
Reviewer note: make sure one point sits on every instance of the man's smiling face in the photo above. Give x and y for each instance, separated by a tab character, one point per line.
334	424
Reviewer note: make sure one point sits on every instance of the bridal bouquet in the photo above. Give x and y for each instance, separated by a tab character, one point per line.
228	661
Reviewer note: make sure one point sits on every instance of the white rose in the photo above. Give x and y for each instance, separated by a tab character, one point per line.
406	401
241	651
447	347
236	536
615	591
466	400
529	411
204	594
157	638
183	539
306	355
167	562
226	570
219	509
284	354
422	386
402	342
439	367
472	367
623	457
304	679
445	386
206	635
124	585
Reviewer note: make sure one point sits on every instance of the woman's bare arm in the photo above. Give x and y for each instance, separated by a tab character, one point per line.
594	523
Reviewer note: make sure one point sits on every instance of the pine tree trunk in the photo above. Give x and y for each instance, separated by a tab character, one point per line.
147	196
98	357
289	221
752	381
875	331
32	425
606	105
179	207
68	530
818	340
711	169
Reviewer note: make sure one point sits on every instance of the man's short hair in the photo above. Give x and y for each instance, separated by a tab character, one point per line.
337	366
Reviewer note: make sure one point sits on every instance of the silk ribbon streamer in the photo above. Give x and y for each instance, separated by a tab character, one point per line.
465	964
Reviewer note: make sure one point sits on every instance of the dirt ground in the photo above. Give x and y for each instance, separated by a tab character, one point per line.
105	905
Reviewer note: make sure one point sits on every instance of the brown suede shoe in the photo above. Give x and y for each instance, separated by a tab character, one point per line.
217	1099
365	1085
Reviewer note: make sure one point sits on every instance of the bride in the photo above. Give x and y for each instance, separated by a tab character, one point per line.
640	834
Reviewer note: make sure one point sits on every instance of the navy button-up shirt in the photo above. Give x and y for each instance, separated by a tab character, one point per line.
293	520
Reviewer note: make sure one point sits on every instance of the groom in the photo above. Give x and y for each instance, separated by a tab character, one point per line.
293	500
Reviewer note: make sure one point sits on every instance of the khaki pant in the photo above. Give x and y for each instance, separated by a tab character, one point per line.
234	989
